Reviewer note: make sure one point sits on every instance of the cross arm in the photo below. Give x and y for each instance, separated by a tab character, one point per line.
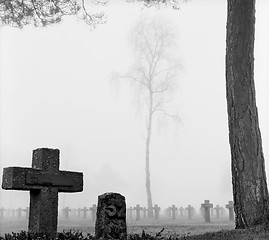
17	178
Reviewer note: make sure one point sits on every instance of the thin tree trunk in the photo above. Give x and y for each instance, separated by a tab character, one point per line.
148	139
248	172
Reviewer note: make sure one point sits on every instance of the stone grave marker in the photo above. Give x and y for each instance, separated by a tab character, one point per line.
44	180
19	212
144	212
130	213
137	209
111	217
84	211
93	210
156	210
230	206
189	211
181	210
206	206
173	210
217	209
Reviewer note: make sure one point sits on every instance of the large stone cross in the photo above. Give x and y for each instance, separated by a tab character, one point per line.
44	180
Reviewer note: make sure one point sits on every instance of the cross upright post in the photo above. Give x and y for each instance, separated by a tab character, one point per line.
44	180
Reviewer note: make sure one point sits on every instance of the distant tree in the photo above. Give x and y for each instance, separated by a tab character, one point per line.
153	76
248	171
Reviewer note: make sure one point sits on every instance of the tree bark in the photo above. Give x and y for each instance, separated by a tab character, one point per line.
250	191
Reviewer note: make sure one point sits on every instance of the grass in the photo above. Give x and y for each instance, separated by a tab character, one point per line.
165	230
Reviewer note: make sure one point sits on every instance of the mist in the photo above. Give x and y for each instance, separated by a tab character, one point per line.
56	92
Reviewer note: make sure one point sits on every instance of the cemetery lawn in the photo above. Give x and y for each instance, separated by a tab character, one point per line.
177	230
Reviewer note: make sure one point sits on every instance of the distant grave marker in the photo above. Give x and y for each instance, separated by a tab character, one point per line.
111	217
93	209
144	212
130	213
218	209
156	210
173	210
189	211
206	206
84	211
66	212
230	206
44	180
137	209
181	210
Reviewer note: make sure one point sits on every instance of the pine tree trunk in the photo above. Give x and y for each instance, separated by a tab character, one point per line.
248	172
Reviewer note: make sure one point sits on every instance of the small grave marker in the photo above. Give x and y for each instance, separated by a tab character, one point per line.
84	211
217	208
230	206
181	210
173	209
93	209
66	212
145	212
44	180
206	206
130	213
111	217
2	210
138	209
156	209
190	211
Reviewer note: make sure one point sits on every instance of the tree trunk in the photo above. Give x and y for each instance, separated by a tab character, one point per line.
148	189
248	172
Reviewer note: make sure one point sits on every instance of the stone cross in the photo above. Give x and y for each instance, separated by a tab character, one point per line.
173	210
230	206
44	180
181	210
19	210
138	209
189	210
145	212
84	210
206	206
93	209
130	213
156	209
217	208
66	211
111	217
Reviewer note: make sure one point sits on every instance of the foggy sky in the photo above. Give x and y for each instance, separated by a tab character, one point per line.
56	92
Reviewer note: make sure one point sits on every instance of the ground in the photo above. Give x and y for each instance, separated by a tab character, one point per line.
218	229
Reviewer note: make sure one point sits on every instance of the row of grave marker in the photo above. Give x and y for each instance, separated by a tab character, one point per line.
44	181
170	212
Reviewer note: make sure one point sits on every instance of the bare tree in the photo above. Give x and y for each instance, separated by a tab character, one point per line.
153	76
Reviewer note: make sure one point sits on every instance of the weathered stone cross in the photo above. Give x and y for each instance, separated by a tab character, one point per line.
44	180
